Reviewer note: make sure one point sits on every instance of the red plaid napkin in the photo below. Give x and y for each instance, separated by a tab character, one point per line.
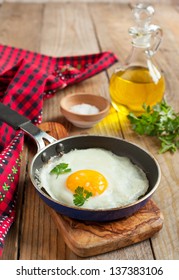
26	78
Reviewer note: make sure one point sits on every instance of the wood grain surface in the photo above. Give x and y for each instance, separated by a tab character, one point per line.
60	29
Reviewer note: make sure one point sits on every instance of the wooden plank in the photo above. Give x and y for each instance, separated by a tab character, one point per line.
166	247
21	25
90	1
36	242
39	233
82	34
71	33
16	22
111	23
169	52
167	193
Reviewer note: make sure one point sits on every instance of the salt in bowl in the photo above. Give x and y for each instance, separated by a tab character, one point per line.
84	110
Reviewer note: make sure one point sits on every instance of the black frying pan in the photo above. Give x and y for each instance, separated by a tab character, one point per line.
118	146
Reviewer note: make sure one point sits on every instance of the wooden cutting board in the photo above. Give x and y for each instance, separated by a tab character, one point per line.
91	238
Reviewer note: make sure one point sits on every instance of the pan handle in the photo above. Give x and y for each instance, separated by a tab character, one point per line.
17	121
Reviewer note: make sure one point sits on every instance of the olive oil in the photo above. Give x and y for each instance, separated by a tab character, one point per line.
139	81
133	87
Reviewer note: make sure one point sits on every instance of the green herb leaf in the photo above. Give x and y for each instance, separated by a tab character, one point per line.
80	196
160	121
60	169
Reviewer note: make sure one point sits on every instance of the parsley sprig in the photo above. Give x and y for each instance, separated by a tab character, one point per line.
160	121
60	169
80	196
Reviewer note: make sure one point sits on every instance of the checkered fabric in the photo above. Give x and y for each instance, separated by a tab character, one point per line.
26	79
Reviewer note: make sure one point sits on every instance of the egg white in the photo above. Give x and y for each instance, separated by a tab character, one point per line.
126	181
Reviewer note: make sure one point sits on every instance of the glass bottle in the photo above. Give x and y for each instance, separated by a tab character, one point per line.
139	81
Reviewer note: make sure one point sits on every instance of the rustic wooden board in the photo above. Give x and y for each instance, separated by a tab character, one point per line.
91	238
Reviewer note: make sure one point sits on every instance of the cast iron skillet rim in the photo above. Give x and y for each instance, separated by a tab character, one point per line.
145	197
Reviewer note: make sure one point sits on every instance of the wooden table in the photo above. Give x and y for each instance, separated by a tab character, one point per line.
61	29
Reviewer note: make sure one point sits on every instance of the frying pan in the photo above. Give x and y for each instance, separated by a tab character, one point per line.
118	146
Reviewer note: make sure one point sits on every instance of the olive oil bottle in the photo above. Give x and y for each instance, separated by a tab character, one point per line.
139	81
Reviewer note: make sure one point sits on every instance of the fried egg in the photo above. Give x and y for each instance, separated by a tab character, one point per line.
113	180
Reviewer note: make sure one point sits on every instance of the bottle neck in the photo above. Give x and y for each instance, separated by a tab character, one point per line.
141	58
138	56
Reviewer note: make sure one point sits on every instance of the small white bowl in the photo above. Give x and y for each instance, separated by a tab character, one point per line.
84	120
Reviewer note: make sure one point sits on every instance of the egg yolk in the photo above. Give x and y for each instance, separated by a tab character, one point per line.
90	180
